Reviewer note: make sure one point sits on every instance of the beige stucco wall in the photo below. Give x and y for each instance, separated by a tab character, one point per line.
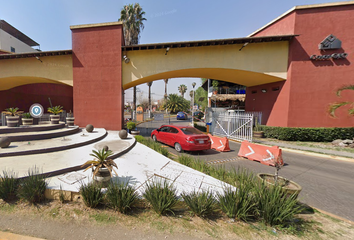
52	69
257	63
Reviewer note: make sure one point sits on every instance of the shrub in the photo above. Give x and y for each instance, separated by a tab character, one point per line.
161	196
308	134
153	145
8	185
32	188
121	196
202	204
238	203
201	128
131	125
91	194
275	207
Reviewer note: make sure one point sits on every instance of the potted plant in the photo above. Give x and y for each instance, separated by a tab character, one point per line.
70	119
27	119
131	126
54	119
257	130
13	116
215	84
102	166
290	187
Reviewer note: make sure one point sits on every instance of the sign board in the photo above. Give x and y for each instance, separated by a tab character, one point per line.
158	116
195	107
36	110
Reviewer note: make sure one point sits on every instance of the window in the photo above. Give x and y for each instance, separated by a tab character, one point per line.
165	129
173	130
191	131
13	49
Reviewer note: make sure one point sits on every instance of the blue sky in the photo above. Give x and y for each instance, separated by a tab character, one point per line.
48	22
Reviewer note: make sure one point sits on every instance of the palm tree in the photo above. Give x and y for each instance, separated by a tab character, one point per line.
132	17
182	89
176	103
166	81
149	85
191	94
334	106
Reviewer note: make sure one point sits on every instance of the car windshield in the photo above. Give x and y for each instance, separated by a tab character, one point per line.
180	113
191	131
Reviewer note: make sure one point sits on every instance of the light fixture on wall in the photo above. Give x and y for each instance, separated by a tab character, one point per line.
167	49
126	59
244	45
264	90
38	59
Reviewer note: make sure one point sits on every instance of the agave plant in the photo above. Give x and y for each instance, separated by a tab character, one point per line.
55	110
101	160
12	111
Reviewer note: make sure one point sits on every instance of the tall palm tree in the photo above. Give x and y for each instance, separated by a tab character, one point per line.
166	81
132	17
176	103
334	106
182	89
149	85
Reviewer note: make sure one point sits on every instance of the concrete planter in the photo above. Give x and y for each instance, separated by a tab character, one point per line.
70	121
289	186
12	121
134	132
54	119
27	121
103	177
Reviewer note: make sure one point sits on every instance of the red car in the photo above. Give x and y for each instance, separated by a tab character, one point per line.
182	138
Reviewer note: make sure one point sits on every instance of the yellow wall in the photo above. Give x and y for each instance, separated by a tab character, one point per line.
257	63
21	71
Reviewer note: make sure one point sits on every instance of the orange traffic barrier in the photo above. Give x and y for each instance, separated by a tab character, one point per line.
219	144
263	154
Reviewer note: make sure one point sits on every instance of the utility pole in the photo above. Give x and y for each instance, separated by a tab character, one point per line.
193	85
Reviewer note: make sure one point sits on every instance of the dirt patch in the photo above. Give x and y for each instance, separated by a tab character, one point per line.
72	220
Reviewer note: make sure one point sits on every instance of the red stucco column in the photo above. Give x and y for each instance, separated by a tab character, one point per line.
97	75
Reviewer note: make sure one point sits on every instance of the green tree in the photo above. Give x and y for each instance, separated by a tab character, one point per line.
182	89
201	97
334	106
132	17
176	103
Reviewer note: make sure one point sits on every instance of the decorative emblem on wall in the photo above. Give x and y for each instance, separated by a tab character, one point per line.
330	42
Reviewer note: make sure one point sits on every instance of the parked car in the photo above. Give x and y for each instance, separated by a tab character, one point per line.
182	138
198	114
182	116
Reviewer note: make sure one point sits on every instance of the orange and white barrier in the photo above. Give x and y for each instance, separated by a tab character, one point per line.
263	154
219	144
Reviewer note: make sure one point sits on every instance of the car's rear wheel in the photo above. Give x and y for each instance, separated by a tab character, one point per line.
154	138
178	147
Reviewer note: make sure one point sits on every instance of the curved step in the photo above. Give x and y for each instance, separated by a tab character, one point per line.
30	136
80	138
31	128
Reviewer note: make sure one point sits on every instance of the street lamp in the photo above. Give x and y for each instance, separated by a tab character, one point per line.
193	85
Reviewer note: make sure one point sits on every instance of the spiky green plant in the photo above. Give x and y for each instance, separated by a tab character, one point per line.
8	185
121	196
55	110
202	204
237	203
101	160
32	187
12	111
274	205
161	196
91	194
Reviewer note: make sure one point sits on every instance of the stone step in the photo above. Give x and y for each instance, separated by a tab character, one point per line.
40	135
53	144
31	128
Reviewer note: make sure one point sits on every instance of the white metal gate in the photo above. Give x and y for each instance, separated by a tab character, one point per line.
234	125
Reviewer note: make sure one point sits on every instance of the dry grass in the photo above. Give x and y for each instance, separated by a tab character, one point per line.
313	225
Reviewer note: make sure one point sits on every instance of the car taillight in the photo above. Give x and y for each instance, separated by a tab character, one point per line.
190	140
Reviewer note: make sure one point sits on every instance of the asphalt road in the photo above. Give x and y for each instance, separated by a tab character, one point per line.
327	184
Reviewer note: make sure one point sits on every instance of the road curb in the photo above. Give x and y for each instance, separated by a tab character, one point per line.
13	236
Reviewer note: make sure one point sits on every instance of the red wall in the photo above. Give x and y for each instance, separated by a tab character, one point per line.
310	85
98	92
26	95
